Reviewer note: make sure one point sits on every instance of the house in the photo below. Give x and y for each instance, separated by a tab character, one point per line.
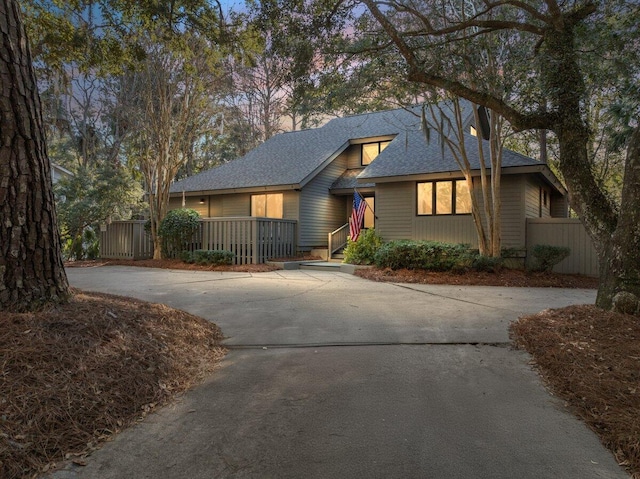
58	172
414	188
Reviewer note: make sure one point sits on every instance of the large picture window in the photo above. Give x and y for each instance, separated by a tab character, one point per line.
267	206
444	198
371	150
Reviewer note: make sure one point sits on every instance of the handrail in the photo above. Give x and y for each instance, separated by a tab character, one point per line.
337	239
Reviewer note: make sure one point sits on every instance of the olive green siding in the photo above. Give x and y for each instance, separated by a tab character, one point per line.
395	209
398	219
512	226
235	204
192	202
449	229
559	206
321	212
353	156
535	206
215	206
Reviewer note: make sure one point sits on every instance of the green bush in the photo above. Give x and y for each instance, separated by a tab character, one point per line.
545	257
177	231
427	255
363	250
487	264
207	257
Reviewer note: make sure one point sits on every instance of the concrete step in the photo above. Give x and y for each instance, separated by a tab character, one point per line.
321	266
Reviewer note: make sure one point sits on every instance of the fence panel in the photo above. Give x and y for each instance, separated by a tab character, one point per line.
125	240
564	232
251	240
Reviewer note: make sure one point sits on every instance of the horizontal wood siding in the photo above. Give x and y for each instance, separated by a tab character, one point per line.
212	205
398	219
193	202
564	232
559	207
215	206
395	210
353	156
237	204
234	205
534	202
449	229
174	203
291	205
513	227
320	211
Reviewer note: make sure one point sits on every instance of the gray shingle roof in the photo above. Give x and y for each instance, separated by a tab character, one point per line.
412	155
285	159
349	180
292	158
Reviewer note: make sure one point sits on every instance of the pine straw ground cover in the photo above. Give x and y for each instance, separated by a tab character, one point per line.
503	277
590	358
74	375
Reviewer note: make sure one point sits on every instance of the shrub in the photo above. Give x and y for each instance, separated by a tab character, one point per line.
207	257
428	255
545	256
487	264
363	250
177	231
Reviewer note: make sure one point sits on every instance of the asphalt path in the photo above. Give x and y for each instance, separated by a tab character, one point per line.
329	375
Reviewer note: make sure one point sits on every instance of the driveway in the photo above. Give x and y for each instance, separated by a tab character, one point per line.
330	375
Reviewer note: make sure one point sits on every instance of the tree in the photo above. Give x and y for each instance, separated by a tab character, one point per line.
551	45
448	119
90	197
31	270
172	104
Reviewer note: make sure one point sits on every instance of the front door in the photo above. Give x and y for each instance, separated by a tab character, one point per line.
369	215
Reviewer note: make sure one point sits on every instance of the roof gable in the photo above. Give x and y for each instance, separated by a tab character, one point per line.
292	159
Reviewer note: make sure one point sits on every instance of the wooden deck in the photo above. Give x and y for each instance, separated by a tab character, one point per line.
252	240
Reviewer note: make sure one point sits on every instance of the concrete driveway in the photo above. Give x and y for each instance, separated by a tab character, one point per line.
358	379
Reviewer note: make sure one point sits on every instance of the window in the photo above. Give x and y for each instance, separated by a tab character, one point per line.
444	198
371	150
463	198
267	206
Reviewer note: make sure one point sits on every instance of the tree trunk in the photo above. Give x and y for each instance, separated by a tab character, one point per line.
620	260
31	270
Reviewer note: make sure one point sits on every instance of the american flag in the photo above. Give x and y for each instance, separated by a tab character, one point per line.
357	216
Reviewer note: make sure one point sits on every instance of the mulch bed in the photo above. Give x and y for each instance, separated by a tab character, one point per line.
504	277
172	264
591	359
75	374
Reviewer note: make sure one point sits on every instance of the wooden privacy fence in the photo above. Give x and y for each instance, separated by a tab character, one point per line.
252	240
125	240
564	232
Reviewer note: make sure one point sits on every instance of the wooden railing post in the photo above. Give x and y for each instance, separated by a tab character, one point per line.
255	255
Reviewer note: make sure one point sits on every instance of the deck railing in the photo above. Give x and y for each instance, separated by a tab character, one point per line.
338	239
252	240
